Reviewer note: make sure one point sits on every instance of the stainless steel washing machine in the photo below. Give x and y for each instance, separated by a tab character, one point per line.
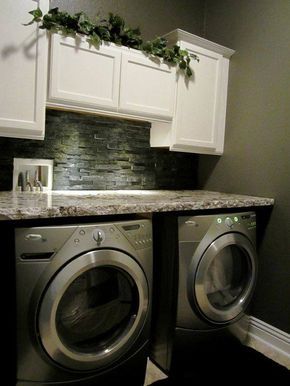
83	303
209	278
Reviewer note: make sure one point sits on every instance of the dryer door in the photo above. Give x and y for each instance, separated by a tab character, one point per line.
93	310
222	283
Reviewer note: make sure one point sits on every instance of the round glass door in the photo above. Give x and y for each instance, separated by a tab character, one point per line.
225	278
93	310
96	309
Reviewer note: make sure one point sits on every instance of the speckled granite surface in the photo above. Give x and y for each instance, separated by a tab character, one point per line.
18	205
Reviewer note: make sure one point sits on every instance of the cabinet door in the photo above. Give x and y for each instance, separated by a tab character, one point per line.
82	75
199	120
23	71
147	87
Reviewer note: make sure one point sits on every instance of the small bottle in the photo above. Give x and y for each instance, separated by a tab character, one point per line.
20	182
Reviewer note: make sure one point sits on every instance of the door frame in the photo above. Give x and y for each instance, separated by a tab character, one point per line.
199	265
48	334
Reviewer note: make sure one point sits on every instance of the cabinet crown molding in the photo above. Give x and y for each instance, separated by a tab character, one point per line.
181	35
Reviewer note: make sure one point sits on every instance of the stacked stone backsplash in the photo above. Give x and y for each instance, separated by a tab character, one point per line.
95	152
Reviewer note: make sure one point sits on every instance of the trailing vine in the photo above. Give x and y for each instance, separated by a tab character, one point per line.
112	30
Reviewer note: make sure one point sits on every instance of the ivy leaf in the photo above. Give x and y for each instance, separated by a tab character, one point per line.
188	72
131	38
47	23
147	47
94	40
85	25
53	11
37	15
176	49
183	53
182	64
116	21
102	32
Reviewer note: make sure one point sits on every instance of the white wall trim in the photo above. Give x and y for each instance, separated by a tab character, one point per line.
269	340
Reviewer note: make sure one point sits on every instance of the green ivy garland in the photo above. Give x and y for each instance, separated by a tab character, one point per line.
112	30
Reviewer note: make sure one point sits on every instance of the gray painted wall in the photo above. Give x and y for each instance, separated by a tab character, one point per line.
155	18
257	145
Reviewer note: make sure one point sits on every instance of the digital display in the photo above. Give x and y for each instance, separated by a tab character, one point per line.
132	227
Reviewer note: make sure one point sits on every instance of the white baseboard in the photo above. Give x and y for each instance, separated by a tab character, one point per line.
269	340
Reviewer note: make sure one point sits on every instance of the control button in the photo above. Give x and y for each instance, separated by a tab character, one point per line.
229	222
82	232
112	229
236	219
76	241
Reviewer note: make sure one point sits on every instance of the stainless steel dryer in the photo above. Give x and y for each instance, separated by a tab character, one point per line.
209	280
83	303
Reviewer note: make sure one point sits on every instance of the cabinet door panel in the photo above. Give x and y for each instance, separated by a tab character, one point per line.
23	71
199	119
147	87
83	75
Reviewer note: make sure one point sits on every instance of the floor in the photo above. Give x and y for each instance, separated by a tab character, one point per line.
243	366
153	374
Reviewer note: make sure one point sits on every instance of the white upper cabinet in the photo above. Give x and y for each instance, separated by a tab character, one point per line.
81	75
111	79
23	71
187	114
147	86
198	124
199	119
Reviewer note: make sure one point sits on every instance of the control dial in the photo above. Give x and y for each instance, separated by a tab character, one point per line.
229	222
99	236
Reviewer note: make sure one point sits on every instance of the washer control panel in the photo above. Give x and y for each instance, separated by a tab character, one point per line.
137	232
42	243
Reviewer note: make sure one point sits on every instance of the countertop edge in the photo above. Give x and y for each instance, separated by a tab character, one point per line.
82	211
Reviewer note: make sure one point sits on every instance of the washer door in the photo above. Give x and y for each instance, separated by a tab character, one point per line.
222	282
93	310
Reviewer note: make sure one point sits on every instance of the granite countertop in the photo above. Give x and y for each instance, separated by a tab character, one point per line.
27	205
